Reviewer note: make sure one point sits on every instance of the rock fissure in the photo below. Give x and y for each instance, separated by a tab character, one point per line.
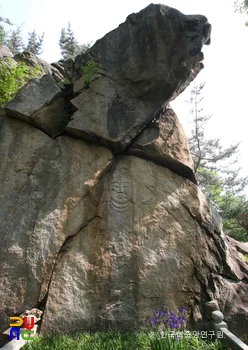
61	251
155	143
63	247
233	280
106	76
96	92
205	294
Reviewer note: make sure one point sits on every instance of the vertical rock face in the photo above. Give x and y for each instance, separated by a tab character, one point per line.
96	239
44	186
138	253
153	241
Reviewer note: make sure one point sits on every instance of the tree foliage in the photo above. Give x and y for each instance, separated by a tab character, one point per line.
215	171
242	7
68	44
3	32
35	43
209	154
234	211
13	77
14	41
89	72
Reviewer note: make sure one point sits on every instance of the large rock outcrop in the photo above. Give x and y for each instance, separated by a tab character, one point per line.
143	64
45	185
153	241
101	219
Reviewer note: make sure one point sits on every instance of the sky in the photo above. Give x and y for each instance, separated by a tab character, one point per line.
225	60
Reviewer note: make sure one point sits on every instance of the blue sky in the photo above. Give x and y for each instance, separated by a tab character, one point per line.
226	68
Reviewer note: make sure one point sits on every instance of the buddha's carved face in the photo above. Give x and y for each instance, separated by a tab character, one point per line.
120	194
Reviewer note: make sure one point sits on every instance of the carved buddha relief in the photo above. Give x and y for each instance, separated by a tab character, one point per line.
120	191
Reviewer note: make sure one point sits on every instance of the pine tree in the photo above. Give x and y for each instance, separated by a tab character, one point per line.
215	171
3	32
242	7
234	212
209	154
35	43
232	207
68	44
14	41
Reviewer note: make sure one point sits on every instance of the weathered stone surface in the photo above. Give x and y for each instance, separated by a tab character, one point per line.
242	247
211	306
33	61
40	103
79	85
44	189
94	104
53	118
164	142
151	243
143	64
69	69
5	52
60	67
36	94
233	300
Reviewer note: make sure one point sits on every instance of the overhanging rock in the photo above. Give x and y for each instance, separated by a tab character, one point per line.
142	65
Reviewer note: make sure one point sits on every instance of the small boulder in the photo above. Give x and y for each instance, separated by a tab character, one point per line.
164	142
33	61
40	103
5	52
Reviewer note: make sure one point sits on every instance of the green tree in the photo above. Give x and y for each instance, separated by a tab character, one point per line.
35	43
14	41
89	72
232	207
209	153
3	32
13	77
68	44
234	211
242	7
215	170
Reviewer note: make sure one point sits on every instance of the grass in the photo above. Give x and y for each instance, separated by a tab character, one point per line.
114	340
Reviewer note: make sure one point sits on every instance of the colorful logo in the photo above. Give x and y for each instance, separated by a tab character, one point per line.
26	333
